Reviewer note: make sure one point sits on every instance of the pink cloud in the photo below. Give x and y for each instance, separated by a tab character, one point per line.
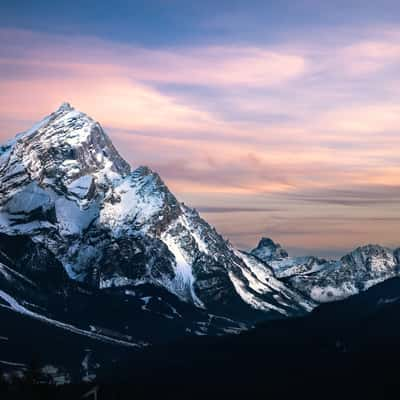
206	65
367	57
117	85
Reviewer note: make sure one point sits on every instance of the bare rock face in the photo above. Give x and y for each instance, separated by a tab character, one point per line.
268	250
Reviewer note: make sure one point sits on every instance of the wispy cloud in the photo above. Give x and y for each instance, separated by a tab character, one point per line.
204	146
355	196
313	120
208	209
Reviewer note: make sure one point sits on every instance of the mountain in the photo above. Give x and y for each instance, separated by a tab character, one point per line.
81	234
325	281
67	191
107	260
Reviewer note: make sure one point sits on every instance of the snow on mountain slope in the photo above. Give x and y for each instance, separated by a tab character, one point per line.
14	305
358	271
133	314
264	291
324	280
64	186
284	266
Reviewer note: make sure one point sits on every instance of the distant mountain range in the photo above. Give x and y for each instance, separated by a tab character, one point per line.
98	261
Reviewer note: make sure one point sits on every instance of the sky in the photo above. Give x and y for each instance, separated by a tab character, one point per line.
272	118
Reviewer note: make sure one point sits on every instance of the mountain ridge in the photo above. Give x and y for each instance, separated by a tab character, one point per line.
330	280
80	231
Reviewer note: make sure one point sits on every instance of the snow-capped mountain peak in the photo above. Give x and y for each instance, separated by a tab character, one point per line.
64	185
65	106
66	150
373	257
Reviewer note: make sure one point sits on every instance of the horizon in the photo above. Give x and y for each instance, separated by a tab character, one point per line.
286	127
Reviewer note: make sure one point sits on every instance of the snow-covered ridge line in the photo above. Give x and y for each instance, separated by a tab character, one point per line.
8	271
12	364
15	306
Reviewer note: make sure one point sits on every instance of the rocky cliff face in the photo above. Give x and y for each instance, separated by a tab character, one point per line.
268	250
